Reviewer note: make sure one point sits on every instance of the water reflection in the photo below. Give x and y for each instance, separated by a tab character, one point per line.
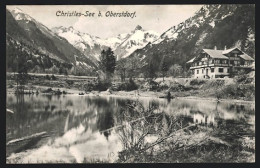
78	127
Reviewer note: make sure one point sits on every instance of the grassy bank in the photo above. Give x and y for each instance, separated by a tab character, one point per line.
231	88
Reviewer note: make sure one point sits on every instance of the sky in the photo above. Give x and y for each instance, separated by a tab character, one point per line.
158	18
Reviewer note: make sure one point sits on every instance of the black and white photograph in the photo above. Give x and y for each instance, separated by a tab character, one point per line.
170	83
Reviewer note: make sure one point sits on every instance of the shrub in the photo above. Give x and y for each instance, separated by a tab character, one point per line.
53	77
241	78
164	85
100	86
152	85
70	82
197	82
237	91
126	86
47	77
177	88
47	90
131	85
213	84
89	87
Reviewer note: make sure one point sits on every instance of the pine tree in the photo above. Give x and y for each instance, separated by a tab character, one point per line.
164	67
150	69
107	62
121	68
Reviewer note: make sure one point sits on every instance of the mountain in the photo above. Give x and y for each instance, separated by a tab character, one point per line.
89	45
122	44
213	25
137	39
42	49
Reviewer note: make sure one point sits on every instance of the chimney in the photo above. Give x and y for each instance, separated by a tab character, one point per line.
225	48
215	48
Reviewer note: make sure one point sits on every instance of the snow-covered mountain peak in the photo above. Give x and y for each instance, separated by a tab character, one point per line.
138	38
17	10
75	37
20	15
122	44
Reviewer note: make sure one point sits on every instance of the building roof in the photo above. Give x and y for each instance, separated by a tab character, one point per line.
230	50
190	61
219	54
215	53
246	57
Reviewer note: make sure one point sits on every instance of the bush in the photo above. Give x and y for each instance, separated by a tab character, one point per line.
197	82
126	86
243	78
47	90
180	88
163	87
53	77
213	84
131	85
152	85
100	86
70	82
89	87
237	91
47	77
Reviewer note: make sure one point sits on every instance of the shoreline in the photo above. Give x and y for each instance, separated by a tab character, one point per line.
135	94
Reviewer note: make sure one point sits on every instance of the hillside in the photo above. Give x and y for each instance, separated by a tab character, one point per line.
212	25
30	39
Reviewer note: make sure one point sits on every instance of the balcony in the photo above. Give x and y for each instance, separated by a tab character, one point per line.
209	65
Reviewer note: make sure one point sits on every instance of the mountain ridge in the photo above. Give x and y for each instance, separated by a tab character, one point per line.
25	33
93	45
212	25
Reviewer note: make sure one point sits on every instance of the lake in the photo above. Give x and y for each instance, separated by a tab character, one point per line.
77	128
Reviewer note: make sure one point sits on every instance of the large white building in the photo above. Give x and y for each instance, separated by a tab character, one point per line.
213	63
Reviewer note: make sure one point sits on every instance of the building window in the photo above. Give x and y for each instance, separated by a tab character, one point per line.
220	69
227	70
217	61
248	63
198	71
202	71
224	61
212	70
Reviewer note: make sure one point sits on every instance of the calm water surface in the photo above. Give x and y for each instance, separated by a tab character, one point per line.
76	126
